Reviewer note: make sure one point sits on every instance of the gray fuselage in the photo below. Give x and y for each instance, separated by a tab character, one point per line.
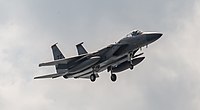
113	55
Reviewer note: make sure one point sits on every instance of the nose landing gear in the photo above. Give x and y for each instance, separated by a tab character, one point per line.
113	77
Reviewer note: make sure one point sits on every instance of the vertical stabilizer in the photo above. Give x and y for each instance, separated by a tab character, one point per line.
57	54
80	49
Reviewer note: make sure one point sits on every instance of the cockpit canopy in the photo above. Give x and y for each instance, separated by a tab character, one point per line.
134	33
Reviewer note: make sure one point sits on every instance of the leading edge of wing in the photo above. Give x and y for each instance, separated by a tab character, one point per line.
60	61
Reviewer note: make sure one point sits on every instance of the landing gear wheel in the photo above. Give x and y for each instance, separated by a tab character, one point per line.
113	77
92	77
131	67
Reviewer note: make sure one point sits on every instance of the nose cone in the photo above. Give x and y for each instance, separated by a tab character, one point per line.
151	37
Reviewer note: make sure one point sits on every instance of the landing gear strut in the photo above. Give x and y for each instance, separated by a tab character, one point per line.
93	76
130	55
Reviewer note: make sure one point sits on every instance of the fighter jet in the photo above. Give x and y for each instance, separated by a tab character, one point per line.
114	58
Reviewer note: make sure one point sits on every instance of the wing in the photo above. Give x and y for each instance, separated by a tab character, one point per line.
50	76
120	49
61	61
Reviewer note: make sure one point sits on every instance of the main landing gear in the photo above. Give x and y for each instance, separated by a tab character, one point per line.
113	76
93	77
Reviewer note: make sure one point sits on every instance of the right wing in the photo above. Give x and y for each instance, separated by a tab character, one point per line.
50	76
61	61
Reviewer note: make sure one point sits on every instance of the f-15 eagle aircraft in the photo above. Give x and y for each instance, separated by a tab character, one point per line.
113	58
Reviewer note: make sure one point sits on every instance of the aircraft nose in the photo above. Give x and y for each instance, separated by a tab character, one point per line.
151	37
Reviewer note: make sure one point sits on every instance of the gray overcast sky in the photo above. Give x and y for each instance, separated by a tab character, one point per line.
168	79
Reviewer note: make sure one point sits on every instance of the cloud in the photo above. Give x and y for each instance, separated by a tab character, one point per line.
167	79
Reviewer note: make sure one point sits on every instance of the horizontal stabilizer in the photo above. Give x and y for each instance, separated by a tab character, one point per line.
60	61
52	63
50	76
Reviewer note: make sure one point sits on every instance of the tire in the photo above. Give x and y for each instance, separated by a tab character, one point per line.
131	67
113	77
92	77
